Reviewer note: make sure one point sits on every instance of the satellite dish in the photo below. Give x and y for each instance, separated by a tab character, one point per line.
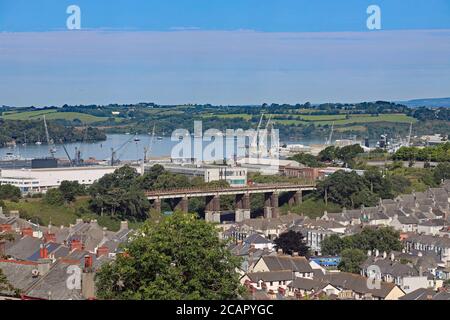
35	273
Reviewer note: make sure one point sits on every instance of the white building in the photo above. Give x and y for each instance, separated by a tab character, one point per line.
235	176
41	180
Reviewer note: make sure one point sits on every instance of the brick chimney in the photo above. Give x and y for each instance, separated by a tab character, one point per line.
27	232
44	263
76	245
50	237
88	279
5	228
2	248
102	251
43	252
88	262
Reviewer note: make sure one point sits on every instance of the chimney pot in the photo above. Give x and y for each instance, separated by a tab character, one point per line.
102	251
43	252
87	263
50	237
5	228
27	232
76	245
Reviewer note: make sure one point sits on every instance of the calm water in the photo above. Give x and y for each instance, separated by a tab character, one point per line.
131	150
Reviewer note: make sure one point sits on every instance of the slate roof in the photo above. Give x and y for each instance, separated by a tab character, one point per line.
54	282
257	239
419	294
429	240
18	273
307	284
393	268
24	248
51	247
434	223
408	220
296	264
356	283
426	294
282	275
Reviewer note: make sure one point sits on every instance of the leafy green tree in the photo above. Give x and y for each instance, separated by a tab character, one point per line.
351	260
148	180
120	203
328	154
347	189
291	242
332	245
70	190
307	159
5	286
384	239
348	153
442	172
169	180
179	258
8	192
400	184
54	197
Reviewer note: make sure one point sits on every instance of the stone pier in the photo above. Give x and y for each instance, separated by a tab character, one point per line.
183	205
157	205
212	209
242	207
295	198
268	205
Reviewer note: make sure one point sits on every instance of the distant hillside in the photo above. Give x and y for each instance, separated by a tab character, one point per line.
434	102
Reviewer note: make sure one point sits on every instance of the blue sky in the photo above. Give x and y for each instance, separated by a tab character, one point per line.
222	51
259	15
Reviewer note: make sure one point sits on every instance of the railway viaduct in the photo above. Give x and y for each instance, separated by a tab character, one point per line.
242	198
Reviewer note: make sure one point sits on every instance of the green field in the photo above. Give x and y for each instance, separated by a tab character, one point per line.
39	212
323	120
52	115
354	119
351	128
229	116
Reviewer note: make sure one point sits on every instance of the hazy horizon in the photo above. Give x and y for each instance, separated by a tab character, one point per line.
238	52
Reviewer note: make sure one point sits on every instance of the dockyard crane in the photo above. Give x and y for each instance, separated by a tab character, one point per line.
51	147
114	151
255	142
67	153
330	139
148	150
410	134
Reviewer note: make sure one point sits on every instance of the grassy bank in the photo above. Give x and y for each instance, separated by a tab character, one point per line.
39	212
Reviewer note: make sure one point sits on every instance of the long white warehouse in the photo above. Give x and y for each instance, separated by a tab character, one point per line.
41	180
